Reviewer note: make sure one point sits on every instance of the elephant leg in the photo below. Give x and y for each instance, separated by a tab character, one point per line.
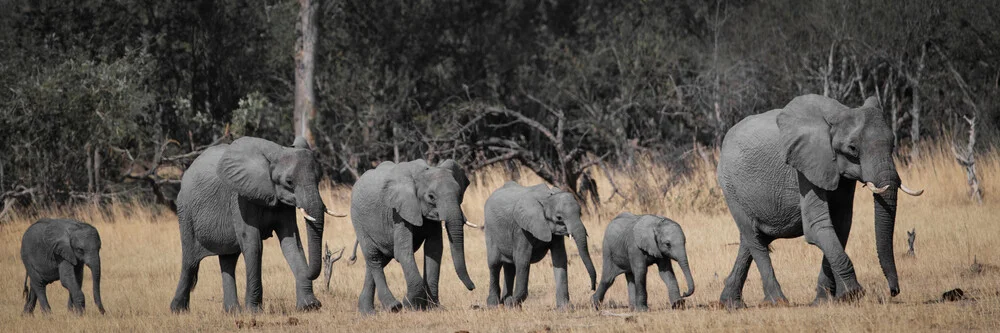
841	204
630	284
558	255
666	270
191	255
39	290
416	294
608	275
30	301
522	267
385	296
761	256
252	251
366	301
639	285
494	264
67	276
227	264
433	245
291	248
818	226
509	275
732	294
78	274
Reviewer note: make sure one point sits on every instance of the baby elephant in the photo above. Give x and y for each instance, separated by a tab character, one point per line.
57	249
523	224
631	244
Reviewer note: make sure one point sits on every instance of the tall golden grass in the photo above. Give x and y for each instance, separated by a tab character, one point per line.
142	258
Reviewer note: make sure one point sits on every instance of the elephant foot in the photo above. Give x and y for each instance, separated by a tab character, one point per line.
308	305
679	305
595	302
232	308
730	304
255	308
394	307
851	295
179	306
774	302
511	303
640	308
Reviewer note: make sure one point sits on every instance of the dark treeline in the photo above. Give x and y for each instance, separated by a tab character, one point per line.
106	98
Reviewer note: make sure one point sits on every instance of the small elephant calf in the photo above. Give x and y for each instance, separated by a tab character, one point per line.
56	250
631	244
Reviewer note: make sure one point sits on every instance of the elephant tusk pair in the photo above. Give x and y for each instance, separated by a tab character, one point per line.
466	223
880	190
328	212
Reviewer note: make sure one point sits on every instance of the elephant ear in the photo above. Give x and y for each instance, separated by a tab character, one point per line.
459	174
62	248
400	193
530	216
245	167
645	236
806	145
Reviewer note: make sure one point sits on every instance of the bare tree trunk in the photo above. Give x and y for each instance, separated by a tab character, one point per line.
967	158
915	106
97	173
305	94
90	168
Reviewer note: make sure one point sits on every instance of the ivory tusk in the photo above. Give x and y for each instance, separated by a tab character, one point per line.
876	190
472	225
306	215
328	212
909	191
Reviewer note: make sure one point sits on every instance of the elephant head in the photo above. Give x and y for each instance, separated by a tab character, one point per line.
662	238
79	243
826	141
426	194
268	174
555	212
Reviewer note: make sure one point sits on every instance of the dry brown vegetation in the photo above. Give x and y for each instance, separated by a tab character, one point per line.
142	255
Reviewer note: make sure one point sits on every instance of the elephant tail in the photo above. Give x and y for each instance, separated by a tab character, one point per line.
354	253
24	293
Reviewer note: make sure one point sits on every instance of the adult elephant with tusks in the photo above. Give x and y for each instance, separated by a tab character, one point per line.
396	208
233	197
791	172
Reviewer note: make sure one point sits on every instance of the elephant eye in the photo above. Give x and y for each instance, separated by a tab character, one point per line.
852	150
559	218
430	197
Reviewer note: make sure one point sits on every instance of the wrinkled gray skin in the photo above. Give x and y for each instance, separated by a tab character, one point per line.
634	242
791	172
56	250
523	224
233	197
395	209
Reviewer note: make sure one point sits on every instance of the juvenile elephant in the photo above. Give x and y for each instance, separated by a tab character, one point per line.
235	196
791	172
395	209
56	250
631	244
522	225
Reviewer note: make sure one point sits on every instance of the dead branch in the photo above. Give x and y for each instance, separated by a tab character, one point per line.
611	180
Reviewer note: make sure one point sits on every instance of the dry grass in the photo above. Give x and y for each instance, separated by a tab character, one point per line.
142	254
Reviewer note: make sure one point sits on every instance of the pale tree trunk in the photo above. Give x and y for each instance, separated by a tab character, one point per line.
305	55
915	108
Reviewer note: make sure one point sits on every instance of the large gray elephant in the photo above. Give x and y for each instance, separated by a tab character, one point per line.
634	242
233	197
395	209
523	224
791	172
56	250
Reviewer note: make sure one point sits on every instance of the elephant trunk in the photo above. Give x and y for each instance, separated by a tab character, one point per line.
456	236
885	223
309	200
581	244
95	271
683	262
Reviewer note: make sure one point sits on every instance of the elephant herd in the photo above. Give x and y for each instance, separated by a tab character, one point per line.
784	173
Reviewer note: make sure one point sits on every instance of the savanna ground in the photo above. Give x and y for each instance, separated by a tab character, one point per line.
141	254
